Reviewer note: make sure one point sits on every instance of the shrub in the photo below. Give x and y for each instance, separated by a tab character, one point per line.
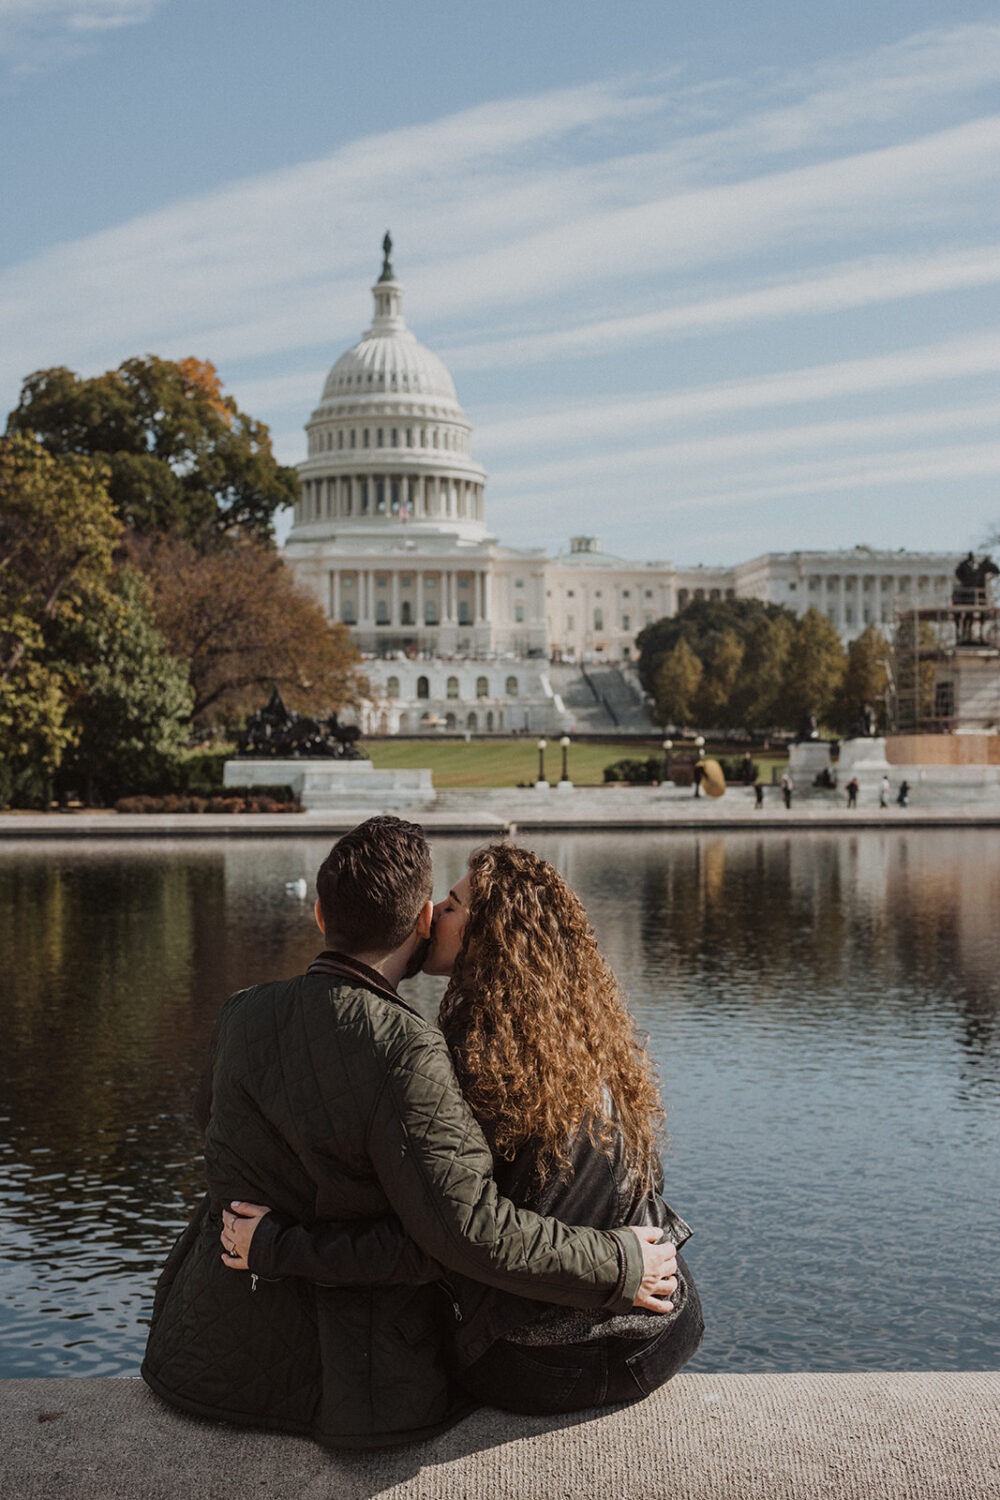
635	772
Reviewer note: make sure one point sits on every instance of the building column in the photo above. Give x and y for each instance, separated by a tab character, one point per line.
394	611
335	596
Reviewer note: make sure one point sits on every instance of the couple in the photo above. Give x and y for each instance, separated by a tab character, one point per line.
424	1247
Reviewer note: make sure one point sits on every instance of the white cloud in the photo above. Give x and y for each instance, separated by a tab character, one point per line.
22	19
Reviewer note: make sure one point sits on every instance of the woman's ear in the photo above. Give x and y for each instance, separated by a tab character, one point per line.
318	914
426	917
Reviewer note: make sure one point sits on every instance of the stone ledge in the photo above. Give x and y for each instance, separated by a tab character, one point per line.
703	1437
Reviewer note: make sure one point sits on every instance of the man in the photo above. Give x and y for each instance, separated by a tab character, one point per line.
330	1099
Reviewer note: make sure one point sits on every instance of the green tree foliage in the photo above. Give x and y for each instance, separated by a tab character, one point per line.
58	532
237	617
181	456
132	699
814	671
675	684
740	649
864	681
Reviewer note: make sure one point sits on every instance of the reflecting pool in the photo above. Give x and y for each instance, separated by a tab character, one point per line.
824	1009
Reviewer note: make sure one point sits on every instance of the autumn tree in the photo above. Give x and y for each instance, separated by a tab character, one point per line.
676	684
84	679
181	457
814	671
131	700
237	618
864	681
58	532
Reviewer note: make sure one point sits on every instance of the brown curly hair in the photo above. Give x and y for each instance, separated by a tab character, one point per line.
539	1024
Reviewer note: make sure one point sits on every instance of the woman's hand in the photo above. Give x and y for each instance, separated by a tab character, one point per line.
239	1221
659	1270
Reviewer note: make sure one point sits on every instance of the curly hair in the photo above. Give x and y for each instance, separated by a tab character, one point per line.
539	1024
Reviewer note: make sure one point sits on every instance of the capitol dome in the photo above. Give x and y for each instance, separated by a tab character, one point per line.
388	360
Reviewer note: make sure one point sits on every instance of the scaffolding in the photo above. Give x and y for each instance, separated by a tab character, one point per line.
936	652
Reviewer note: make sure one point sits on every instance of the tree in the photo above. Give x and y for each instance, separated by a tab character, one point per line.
132	699
741	646
58	532
182	458
676	684
814	671
864	681
237	618
719	680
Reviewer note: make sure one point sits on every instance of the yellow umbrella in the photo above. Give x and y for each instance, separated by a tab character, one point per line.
713	779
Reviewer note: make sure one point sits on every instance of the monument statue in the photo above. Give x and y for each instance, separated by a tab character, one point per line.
863	727
808	729
971	595
278	733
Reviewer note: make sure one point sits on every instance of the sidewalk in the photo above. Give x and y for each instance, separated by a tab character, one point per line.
703	1437
499	810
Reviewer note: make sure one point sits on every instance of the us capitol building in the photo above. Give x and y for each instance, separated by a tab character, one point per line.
390	536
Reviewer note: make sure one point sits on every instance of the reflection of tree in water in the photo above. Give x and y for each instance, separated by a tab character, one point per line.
864	924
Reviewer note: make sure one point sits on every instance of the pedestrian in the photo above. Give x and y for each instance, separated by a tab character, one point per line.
787	787
904	792
853	787
758	794
885	787
699	776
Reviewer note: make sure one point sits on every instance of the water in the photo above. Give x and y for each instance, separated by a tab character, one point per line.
824	1009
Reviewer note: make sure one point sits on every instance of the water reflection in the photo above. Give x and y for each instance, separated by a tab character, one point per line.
823	1008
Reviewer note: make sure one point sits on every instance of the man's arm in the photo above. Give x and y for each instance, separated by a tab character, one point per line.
371	1252
436	1170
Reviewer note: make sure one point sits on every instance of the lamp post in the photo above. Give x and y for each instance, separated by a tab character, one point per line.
564	778
668	745
541	763
699	746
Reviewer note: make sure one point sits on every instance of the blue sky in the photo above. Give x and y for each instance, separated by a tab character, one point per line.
711	281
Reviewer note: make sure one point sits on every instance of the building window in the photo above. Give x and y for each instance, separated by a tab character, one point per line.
349	612
423	688
519	614
464	612
682	598
626	594
510	687
406	613
482	687
450	721
519	583
598	619
570	594
430	612
472	722
647	593
392	687
626	622
944	700
381	613
451	687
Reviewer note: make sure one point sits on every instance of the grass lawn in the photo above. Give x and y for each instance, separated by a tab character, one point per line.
499	762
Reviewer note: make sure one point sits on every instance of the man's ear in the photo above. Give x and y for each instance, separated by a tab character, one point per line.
423	927
318	914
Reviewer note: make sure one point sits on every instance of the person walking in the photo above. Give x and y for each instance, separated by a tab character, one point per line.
853	787
787	787
885	787
904	792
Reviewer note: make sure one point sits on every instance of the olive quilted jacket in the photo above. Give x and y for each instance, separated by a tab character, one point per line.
332	1100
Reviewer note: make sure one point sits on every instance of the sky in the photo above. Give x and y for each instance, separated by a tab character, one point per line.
712	280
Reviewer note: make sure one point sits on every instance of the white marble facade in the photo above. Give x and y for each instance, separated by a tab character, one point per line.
391	537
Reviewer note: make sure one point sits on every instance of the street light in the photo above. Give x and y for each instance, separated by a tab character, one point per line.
668	745
564	742
541	763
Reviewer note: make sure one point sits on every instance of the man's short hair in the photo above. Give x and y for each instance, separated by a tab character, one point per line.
373	885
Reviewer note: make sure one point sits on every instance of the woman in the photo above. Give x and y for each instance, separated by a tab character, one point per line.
547	1056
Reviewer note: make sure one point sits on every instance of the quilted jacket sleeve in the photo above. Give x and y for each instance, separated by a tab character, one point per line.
436	1171
375	1252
